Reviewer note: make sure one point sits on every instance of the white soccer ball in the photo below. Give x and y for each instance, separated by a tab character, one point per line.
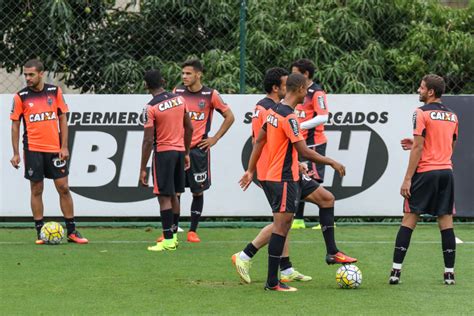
52	233
348	276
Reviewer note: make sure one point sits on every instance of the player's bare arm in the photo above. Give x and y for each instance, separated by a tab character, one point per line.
207	143
415	155
188	135
256	152
64	134
309	154
147	146
406	143
15	161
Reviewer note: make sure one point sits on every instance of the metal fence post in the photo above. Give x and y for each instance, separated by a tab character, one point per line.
243	17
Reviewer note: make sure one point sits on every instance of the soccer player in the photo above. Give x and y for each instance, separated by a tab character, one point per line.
428	186
275	86
281	135
202	102
42	109
312	114
168	132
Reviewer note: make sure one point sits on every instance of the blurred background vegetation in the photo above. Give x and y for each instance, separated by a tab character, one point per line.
358	46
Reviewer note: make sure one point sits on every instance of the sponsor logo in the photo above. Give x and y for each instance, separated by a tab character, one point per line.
355	143
294	126
31	104
300	113
414	119
321	103
13	107
44	116
272	120
200	177
59	163
197	116
169	104
443	116
105	155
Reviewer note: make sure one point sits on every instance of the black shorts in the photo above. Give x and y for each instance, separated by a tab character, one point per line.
198	176
168	172
40	165
317	170
282	196
307	186
432	192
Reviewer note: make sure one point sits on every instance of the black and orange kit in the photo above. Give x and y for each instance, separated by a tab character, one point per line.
281	185
39	111
432	188
201	105
165	114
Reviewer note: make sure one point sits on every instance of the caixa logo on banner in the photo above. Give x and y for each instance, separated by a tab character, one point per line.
105	156
353	142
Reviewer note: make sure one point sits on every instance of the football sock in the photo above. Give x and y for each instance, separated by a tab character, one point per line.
70	225
38	225
196	210
175	223
326	219
300	213
401	244
285	263
448	241
167	222
275	249
250	250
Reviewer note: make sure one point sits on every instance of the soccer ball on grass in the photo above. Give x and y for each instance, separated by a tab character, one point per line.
348	276
52	233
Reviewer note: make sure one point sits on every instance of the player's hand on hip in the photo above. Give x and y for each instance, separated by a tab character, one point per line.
64	154
339	168
143	178
187	162
407	143
207	143
405	189
15	161
246	180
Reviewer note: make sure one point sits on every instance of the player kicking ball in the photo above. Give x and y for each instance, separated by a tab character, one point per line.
282	136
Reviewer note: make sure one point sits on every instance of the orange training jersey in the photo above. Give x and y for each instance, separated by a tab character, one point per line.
165	113
259	118
315	104
40	111
439	126
282	131
200	106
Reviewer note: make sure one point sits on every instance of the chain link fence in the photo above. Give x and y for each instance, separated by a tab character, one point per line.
358	46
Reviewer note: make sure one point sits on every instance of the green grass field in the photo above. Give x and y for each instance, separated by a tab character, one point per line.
114	274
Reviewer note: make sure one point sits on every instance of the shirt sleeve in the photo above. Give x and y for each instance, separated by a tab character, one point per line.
292	129
148	116
418	123
217	102
62	105
455	135
320	104
17	108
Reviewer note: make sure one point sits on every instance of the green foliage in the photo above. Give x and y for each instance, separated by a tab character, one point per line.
358	46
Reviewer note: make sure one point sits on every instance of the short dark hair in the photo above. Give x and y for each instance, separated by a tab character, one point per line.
304	65
195	63
294	82
436	83
273	78
153	79
35	63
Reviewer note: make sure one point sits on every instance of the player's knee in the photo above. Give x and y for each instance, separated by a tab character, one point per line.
63	189
326	199
37	190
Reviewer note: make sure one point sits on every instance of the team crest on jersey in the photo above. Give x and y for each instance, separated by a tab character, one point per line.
443	116
50	101
197	116
294	126
30	172
202	104
321	103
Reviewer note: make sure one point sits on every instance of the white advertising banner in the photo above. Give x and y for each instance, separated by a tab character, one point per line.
105	134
